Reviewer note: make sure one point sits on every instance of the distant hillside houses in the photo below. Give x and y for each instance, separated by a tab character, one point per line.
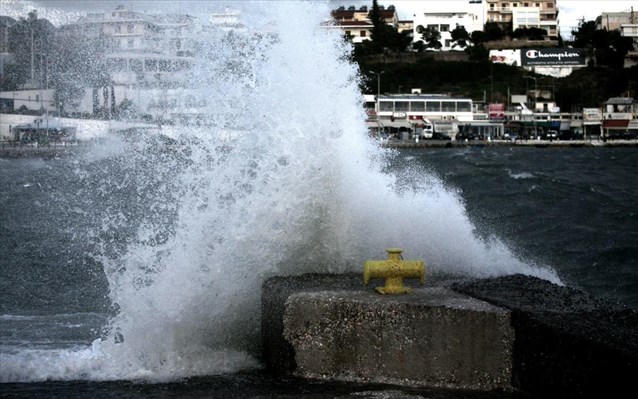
627	24
446	16
356	24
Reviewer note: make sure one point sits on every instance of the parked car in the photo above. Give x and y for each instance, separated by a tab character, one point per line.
550	135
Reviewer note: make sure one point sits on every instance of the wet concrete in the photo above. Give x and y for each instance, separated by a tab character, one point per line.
563	342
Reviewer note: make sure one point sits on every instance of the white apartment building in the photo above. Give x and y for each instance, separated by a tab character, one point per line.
446	16
541	14
142	49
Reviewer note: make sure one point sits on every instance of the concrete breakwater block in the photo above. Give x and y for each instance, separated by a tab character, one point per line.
515	332
434	337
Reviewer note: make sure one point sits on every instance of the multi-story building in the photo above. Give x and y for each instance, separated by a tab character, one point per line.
445	17
356	24
141	49
541	14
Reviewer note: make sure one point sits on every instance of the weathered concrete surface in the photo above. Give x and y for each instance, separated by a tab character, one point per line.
277	353
434	337
565	343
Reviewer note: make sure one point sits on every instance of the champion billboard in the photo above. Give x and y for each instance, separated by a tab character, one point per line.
553	56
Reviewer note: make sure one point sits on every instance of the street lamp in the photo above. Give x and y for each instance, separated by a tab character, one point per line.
535	101
378	95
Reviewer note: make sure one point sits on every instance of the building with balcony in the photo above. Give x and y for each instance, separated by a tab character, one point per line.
356	24
141	49
517	14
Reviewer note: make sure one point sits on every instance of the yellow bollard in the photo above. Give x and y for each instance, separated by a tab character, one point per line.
393	270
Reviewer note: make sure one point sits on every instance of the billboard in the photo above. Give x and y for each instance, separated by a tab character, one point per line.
497	111
553	56
509	57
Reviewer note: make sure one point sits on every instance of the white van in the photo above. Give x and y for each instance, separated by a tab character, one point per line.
428	129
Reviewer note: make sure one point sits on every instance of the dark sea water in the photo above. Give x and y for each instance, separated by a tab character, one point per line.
573	209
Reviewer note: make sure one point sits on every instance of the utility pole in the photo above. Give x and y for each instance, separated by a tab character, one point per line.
378	95
535	101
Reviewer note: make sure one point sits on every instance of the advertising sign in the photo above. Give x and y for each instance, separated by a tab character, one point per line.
592	115
553	56
509	57
497	111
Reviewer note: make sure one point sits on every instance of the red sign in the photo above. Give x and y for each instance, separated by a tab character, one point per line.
497	111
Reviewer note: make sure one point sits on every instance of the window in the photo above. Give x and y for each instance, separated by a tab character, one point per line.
131	43
464	106
136	65
118	29
150	65
130	28
445	28
448	42
116	64
435	27
417	106
401	106
348	33
385	106
362	33
550	5
448	106
433	106
165	66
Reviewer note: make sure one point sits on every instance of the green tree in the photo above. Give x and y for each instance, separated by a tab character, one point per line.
532	33
493	32
30	41
603	48
14	77
478	53
431	37
379	31
460	37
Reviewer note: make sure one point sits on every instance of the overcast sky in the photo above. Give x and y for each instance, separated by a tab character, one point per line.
570	11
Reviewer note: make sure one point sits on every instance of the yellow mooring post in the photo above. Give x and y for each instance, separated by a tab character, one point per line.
393	270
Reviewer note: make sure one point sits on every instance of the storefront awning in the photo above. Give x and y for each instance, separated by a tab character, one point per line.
615	123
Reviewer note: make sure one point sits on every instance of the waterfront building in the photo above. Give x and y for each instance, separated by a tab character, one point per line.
418	112
620	118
